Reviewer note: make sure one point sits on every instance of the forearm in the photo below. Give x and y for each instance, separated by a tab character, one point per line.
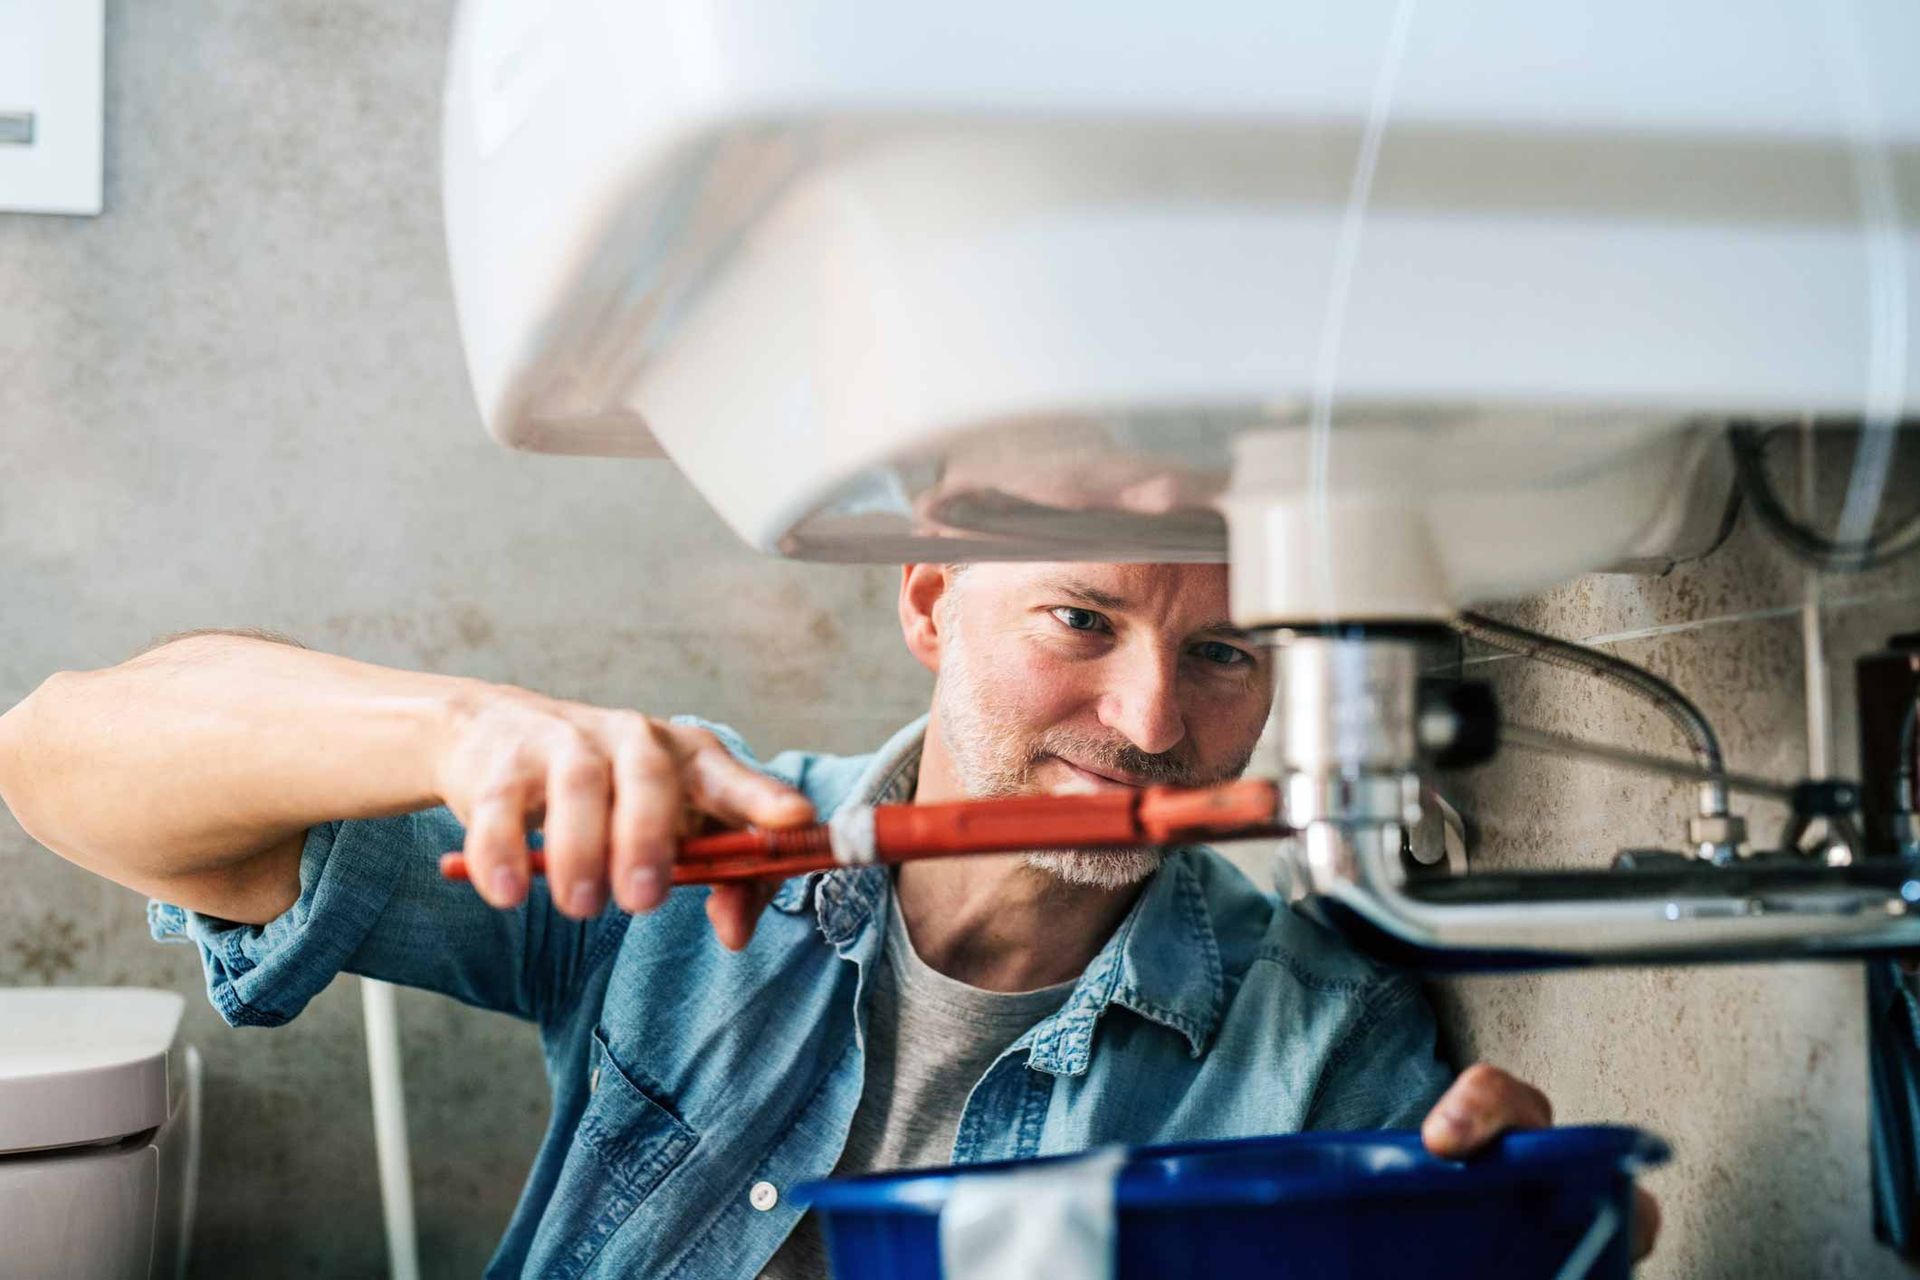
183	764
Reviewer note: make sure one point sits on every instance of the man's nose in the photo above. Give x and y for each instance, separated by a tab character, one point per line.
1143	702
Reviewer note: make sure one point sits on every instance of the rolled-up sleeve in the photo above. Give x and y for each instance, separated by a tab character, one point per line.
372	902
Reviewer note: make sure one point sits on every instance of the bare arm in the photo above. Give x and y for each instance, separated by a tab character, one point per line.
192	772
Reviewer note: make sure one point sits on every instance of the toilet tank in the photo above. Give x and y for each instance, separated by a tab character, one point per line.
99	1134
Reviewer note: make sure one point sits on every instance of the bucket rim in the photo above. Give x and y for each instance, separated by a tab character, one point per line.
1517	1157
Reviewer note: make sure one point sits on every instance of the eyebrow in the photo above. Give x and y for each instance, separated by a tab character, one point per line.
1224	627
1084	594
1094	598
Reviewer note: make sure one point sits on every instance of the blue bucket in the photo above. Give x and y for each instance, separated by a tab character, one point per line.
1550	1203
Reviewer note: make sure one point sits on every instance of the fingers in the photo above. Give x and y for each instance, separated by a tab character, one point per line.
734	909
720	785
1483	1103
1486	1102
496	844
579	789
1646	1222
647	807
613	792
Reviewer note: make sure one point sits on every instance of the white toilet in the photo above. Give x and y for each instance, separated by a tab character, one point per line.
99	1134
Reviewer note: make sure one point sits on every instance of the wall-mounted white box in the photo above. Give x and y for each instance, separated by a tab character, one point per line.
52	105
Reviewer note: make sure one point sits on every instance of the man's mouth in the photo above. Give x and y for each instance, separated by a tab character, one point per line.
1099	780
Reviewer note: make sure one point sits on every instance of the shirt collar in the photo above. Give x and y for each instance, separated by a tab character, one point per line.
1163	962
888	778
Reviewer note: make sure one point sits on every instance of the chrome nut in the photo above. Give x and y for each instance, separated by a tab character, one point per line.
1727	830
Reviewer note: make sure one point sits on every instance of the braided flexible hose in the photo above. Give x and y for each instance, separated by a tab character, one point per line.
1621	674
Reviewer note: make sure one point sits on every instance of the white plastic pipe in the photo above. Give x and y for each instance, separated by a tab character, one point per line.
1813	643
195	1072
390	1128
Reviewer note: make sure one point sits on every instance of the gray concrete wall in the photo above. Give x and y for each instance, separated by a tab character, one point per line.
237	400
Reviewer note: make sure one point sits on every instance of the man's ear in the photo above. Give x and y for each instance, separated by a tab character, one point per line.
922	587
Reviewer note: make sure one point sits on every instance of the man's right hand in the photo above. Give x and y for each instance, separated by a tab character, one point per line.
193	771
612	791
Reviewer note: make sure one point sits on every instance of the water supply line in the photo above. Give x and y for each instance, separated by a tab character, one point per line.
1555	744
1716	833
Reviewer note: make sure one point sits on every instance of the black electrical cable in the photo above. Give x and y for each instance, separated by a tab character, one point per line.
1618	672
1749	443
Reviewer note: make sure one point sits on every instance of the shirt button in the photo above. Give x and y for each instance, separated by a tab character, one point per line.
763	1196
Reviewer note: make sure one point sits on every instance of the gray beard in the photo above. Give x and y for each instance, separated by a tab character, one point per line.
1111	868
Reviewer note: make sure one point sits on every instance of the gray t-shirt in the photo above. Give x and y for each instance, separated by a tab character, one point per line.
929	1040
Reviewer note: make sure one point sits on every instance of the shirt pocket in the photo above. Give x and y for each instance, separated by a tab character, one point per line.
625	1145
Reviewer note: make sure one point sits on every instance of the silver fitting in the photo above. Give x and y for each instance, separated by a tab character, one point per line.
1344	726
1369	797
1717	837
1338	856
1345	731
1347	705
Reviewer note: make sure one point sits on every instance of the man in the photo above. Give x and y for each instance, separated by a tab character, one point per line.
285	809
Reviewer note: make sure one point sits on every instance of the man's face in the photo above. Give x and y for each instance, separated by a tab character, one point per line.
1061	678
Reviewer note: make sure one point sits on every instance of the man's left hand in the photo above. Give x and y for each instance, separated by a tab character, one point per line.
1486	1102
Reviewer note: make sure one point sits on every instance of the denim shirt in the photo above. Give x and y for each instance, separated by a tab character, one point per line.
684	1075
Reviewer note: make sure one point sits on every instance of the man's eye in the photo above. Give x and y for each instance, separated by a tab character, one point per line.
1223	654
1079	619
